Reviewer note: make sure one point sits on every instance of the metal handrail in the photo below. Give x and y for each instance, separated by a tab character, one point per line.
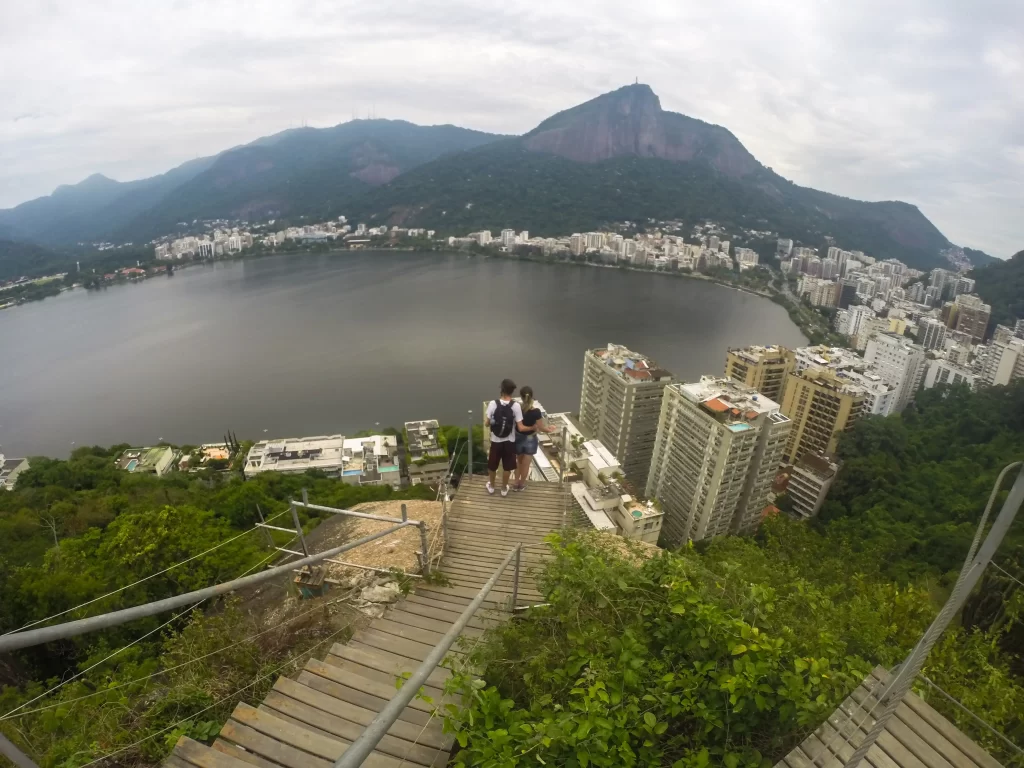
361	748
19	640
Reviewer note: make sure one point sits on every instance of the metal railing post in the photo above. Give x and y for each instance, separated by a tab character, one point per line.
469	465
361	748
515	580
565	453
263	522
298	526
405	513
425	569
15	755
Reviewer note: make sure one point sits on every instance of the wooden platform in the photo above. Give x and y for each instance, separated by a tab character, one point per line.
309	719
916	737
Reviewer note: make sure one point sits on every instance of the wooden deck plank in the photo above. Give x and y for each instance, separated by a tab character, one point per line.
346	730
237	752
269	748
417	713
387	663
952	736
302	739
432	609
194	753
429	733
411	649
397	624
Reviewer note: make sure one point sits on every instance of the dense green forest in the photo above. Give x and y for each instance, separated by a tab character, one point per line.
72	531
1001	284
731	652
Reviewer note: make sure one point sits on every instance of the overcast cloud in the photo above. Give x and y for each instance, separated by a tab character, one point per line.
916	100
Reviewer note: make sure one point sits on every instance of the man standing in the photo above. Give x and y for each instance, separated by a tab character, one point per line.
502	415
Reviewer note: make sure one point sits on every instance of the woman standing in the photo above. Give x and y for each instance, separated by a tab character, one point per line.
526	436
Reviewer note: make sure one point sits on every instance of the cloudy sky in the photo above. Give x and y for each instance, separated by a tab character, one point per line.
916	100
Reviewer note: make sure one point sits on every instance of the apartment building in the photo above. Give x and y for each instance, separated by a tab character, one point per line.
851	368
931	333
761	368
900	362
971	315
426	457
1002	362
809	481
822	405
947	372
620	405
719	446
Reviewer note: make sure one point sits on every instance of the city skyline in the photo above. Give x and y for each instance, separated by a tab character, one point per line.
923	96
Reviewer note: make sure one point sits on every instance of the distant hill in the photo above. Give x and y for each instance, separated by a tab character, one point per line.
621	156
617	157
1001	284
300	171
19	259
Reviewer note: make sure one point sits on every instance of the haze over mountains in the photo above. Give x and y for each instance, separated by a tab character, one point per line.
617	157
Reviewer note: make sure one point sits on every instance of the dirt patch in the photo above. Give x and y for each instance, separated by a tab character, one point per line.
395	551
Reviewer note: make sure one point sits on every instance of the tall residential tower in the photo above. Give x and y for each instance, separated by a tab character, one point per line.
620	405
761	368
719	446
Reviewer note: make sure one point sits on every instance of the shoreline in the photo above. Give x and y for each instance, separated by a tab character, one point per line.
779	297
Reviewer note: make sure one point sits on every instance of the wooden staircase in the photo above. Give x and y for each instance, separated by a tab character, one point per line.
308	720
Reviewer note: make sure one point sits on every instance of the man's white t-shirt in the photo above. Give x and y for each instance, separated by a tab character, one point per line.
517	416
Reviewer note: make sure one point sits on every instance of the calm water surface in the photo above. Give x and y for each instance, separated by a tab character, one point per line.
304	344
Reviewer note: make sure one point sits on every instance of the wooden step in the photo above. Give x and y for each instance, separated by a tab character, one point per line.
360	679
288	744
414	750
430	733
189	752
417	713
386	663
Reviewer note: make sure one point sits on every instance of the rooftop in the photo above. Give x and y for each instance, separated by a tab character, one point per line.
628	363
728	401
297	454
422	438
755	353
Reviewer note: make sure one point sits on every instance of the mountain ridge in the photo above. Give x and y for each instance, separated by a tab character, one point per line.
618	156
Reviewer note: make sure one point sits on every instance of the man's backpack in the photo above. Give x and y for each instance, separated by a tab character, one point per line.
503	421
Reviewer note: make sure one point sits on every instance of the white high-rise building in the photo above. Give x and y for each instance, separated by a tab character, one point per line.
484	237
524	236
1003	362
947	372
718	449
577	244
899	362
931	333
508	237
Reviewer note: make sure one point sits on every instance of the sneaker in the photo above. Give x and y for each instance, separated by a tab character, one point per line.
490	488
504	491
517	487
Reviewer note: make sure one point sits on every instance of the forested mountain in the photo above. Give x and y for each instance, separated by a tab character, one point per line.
17	259
300	171
1001	284
620	156
617	157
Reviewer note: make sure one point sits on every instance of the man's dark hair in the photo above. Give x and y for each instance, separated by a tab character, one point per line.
508	387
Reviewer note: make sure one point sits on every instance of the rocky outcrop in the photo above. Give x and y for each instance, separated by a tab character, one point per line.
630	122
